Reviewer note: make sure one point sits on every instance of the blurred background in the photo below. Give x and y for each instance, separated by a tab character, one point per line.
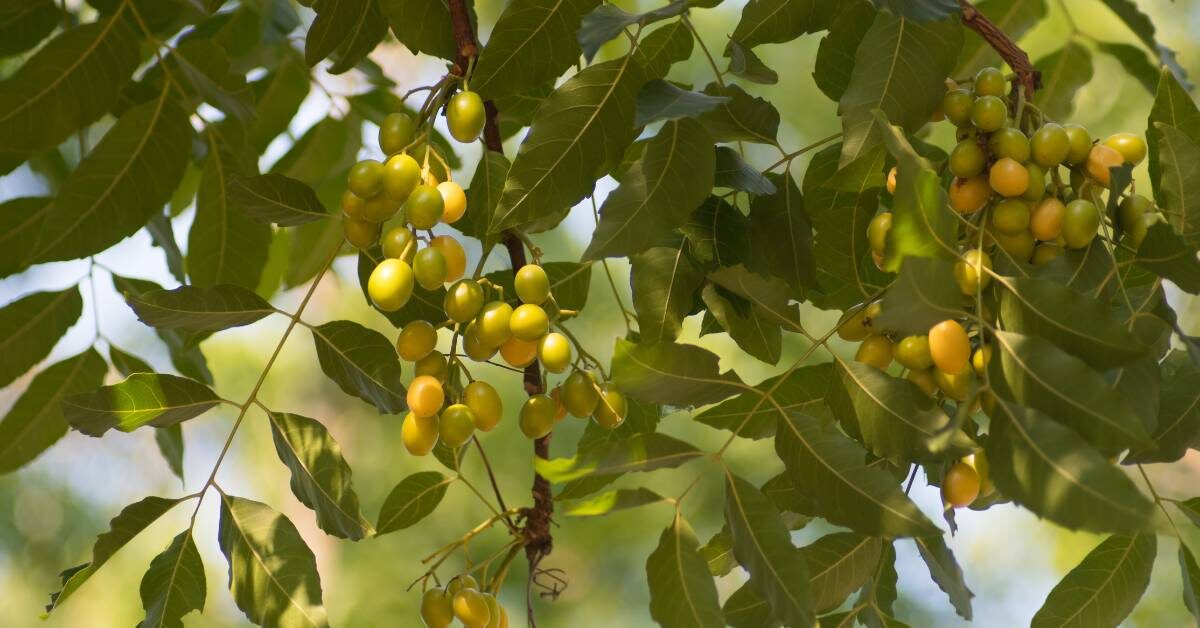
51	510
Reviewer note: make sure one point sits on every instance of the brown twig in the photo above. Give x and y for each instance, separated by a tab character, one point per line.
1008	49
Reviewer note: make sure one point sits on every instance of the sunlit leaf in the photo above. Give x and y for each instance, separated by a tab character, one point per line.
276	198
753	416
1102	589
533	41
362	362
320	475
1173	106
182	346
682	593
839	564
35	421
1063	73
412	500
673	374
174	585
154	399
200	309
611	501
638	453
923	224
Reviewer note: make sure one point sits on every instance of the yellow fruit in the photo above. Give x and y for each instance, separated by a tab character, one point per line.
877	231
485	402
454	201
1132	147
400	243
956	386
971	272
611	410
554	350
492	324
537	416
361	234
458	583
1010	216
1100	159
463	300
416	340
532	284
1019	247
1008	177
465	116
437	608
560	411
425	396
852	328
475	348
949	346
452	251
529	322
401	174
891	180
433	365
493	610
419	434
924	380
471	608
519	353
876	351
960	486
980	359
1046	220
580	394
456	425
968	196
912	352
390	285
983	469
379	208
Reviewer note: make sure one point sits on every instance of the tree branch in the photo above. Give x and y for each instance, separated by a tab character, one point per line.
1008	50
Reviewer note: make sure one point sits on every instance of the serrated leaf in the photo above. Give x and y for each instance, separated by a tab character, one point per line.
275	198
741	118
803	391
225	245
719	234
422	25
413	499
31	326
1049	469
672	374
733	172
569	283
658	193
272	573
362	363
1179	159
200	309
20	223
1013	17
320	475
663	100
174	585
1102	589
1063	73
1191	580
835	56
923	295
611	501
638	453
1178	416
944	570
779	21
182	347
781	220
839	564
743	63
154	399
682	593
831	468
771	297
1165	254
745	323
533	41
35	420
606	22
664	281
1173	106
487	184
23	24
745	609
665	46
923	224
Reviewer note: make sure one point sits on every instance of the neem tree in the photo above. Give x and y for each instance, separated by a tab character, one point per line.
1017	282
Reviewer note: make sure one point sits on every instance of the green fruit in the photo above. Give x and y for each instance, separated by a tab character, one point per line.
379	208
529	322
360	234
471	608
400	243
473	347
990	82
401	174
554	350
1137	232
1045	253
463	300
912	352
465	581
396	132
988	113
532	284
1050	145
537	416
456	425
485	402
970	271
1010	216
433	365
429	265
465	116
1009	142
390	285
1080	224
1019	247
352	205
1037	182
1131	210
877	232
437	608
580	394
967	159
1132	147
1080	143
366	178
417	340
957	106
611	409
492	323
424	207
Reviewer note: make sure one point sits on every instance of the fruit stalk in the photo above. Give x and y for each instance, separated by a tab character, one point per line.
1008	49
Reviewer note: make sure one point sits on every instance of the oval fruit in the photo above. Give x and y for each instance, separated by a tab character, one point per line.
1009	142
537	416
485	402
956	104
379	208
875	351
529	322
611	408
1050	145
475	348
949	346
400	243
401	174
981	358
1019	247
396	132
1099	162
465	116
891	180
1081	222
990	82
452	251
967	159
424	207
1045	253
988	113
852	328
971	272
419	434
463	300
1046	219
471	608
437	608
968	196
580	394
1008	177
1079	141
454	201
519	353
955	386
1010	216
361	234
434	365
417	340
365	178
390	285
960	486
430	268
456	425
877	231
1132	147
912	352
554	350
425	396
532	284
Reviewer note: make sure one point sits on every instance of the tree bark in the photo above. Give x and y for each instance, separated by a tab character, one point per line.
1017	59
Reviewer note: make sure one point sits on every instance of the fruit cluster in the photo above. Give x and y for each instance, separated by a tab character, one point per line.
461	599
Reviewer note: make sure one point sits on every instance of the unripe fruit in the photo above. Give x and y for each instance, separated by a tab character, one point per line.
379	208
475	348
463	300
875	351
493	610
980	359
949	346
960	486
1100	160
611	409
401	174
955	386
424	207
580	394
532	284
485	402
537	416
351	204
877	231
519	353
1009	142
529	322
492	323
554	350
1080	143
956	104
361	234
1050	145
437	608
425	396
990	82
503	618
891	180
1019	247
465	581
1132	147
912	352
971	272
400	243
983	468
1046	220
390	285
988	113
1131	210
924	380
365	178
455	256
852	328
456	425
433	365
1010	216
417	340
1045	253
1008	177
967	159
396	132
968	196
454	201
1037	183
465	116
471	609
429	266
1081	221
419	434
1142	226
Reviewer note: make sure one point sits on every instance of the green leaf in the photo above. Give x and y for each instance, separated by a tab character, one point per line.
533	41
1049	469
182	347
154	399
569	283
517	111
923	295
664	281
369	30
278	97
682	593
665	46
641	418
69	83
128	176
320	476
771	297
831	468
741	118
1179	159
1178	417
23	24
170	444
1134	61
923	224
1103	589
896	419
1045	378
200	309
734	173
206	69
422	25
779	21
743	63
225	245
839	564
672	374
362	363
606	22
762	544
719	234
745	323
35	420
20	223
586	123
611	501
780	219
162	235
920	10
1191	579
802	391
413	499
174	585
878	596
1076	324
638	453
658	193
1143	28
1165	254
1013	17
272	573
745	609
127	524
31	326
487	184
1063	73
835	56
1173	106
899	69
337	21
275	198
944	570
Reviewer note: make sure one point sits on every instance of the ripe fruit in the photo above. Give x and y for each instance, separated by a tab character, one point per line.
456	425
454	201
967	159
529	322
960	486
401	174
989	82
424	207
425	396
493	610
1081	221
390	285
419	434
532	284
611	409
1046	220
485	402
519	353
580	395
475	348
365	178
949	346
379	208
396	132
968	196
452	251
979	461
1050	145
471	609
434	365
537	416
980	359
1100	160
955	386
1008	177
875	351
1009	142
852	328
1045	253
988	113
361	234
1019	247
1010	216
437	608
416	340
465	581
560	411
463	300
430	268
1080	143
400	243
891	180
492	323
970	272
924	380
877	231
465	116
912	352
1132	147
554	350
